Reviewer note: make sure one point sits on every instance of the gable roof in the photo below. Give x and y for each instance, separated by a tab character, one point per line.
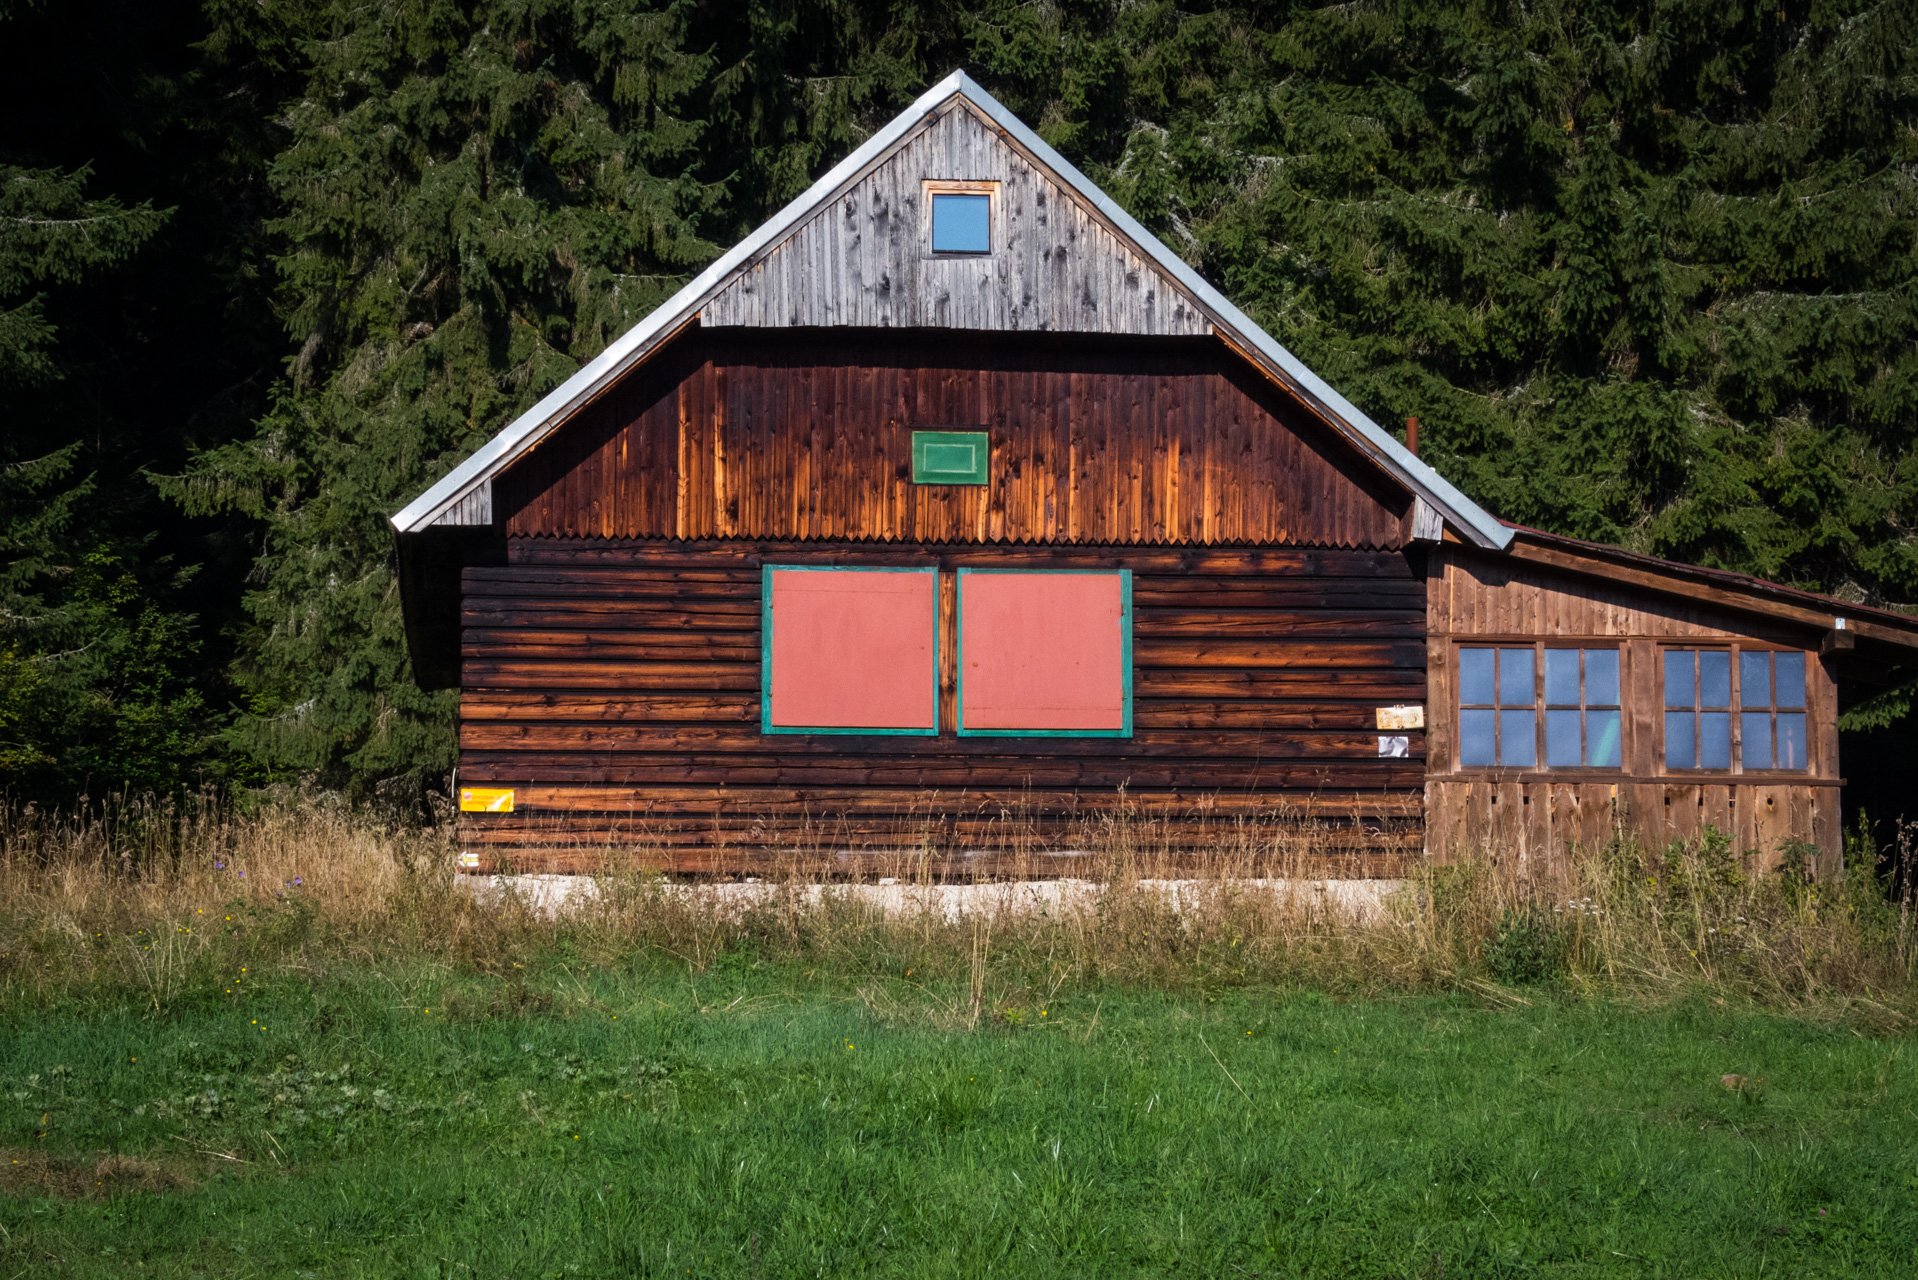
464	495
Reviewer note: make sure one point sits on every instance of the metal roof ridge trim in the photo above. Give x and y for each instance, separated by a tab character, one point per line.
591	377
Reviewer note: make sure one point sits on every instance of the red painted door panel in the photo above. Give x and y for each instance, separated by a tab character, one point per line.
1043	652
851	649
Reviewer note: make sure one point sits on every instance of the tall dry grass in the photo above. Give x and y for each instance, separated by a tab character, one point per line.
158	899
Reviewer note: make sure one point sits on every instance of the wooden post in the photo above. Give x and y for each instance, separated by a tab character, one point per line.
1412	436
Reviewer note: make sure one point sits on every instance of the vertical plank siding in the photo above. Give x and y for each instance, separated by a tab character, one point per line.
804	436
615	686
1535	816
864	259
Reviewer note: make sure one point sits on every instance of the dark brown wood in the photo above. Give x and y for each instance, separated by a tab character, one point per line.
777	435
608	681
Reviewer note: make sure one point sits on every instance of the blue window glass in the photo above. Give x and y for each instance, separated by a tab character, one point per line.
1714	678
1791	741
1754	738
1476	677
1515	678
1601	738
1561	737
1477	737
1681	685
1681	748
1714	740
1791	681
1518	737
1561	678
961	224
1601	677
1503	693
1771	719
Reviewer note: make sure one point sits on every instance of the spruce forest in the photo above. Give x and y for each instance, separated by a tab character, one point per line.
1647	273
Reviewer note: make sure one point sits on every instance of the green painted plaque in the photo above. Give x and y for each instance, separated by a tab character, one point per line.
949	457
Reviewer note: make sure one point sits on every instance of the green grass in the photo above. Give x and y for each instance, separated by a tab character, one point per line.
754	1122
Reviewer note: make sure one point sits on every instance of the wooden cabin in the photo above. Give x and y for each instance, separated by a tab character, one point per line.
952	500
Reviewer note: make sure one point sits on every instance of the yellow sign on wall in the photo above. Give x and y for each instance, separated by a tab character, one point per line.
485	800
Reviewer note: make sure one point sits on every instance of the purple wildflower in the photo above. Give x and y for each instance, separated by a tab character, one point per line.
219	866
297	880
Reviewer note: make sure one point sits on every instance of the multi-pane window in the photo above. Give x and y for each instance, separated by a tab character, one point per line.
1508	694
1698	709
1581	708
1700	701
1498	707
1771	718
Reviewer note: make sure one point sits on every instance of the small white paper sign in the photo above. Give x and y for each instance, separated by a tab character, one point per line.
1409	717
1395	746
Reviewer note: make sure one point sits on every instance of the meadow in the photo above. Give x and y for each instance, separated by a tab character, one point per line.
340	1064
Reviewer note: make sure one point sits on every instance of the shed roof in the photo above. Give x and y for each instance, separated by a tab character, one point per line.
1743	592
463	495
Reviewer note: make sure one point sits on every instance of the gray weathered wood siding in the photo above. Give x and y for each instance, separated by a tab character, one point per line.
865	259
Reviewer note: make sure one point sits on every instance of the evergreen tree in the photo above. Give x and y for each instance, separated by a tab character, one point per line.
1643	269
88	686
475	199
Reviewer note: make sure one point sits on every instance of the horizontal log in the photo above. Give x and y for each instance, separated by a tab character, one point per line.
710	582
607	677
1291	624
710	555
1356	715
1276	593
1230	805
1277	652
636	646
1250	713
1173	649
982	865
512	767
601	739
1222	840
601	617
1405	684
1386	684
598	707
610	591
599	613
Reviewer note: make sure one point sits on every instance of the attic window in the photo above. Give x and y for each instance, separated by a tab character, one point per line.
961	222
961	217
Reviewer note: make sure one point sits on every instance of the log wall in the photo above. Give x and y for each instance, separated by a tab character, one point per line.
1536	815
805	435
614	685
